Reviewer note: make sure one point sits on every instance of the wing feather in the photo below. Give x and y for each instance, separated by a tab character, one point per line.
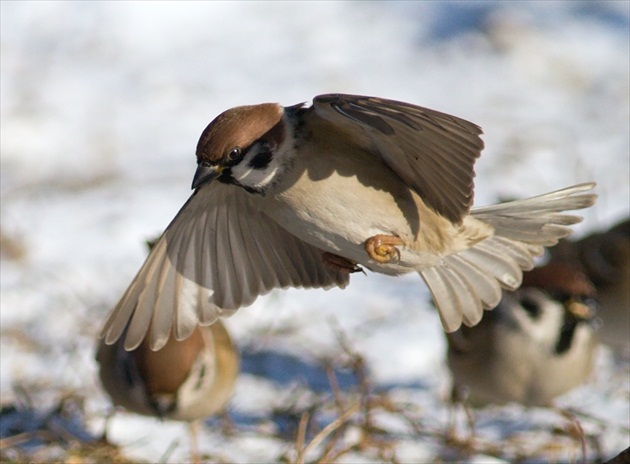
433	153
218	254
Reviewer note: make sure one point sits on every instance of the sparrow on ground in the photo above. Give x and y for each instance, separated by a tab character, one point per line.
605	257
302	196
187	380
184	380
537	344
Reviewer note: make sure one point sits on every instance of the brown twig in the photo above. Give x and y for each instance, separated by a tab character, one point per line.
326	431
300	437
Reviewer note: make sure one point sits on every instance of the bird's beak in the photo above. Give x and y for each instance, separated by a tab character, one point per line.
205	173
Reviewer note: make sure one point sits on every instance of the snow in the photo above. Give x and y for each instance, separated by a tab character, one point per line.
102	104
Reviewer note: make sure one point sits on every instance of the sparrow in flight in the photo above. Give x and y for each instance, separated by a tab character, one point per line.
302	196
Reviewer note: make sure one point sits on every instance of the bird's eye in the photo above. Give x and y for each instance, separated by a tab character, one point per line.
234	154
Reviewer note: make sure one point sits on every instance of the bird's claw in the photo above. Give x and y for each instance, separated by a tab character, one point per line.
382	248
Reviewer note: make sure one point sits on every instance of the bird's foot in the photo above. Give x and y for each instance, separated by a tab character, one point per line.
382	248
339	263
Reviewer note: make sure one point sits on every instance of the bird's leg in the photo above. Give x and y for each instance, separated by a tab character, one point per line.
382	248
459	400
339	263
227	425
193	429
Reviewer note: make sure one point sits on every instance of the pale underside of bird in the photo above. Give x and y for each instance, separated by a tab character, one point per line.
302	196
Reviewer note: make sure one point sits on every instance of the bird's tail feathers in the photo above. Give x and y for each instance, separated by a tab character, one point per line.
538	220
465	283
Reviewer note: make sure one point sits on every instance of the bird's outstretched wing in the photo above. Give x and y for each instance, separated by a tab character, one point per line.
218	254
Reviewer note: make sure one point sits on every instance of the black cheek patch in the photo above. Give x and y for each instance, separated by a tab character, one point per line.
261	160
531	307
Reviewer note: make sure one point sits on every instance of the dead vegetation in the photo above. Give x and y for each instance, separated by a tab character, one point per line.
325	427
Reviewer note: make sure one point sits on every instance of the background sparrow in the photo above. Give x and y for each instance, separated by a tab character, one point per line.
185	380
538	343
605	257
303	196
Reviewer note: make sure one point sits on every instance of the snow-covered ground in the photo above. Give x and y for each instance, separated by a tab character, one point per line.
102	104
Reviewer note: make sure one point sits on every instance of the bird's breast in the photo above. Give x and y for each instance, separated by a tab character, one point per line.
336	201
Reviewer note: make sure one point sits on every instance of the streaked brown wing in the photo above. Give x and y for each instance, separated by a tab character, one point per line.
433	153
218	254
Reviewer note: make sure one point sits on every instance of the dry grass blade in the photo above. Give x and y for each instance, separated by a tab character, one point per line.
326	431
301	437
578	430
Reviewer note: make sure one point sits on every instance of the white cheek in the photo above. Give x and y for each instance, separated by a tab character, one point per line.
248	176
267	176
241	175
257	178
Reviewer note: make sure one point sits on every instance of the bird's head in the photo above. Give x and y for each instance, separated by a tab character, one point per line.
241	146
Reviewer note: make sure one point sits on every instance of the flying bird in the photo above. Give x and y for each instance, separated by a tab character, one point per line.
303	196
